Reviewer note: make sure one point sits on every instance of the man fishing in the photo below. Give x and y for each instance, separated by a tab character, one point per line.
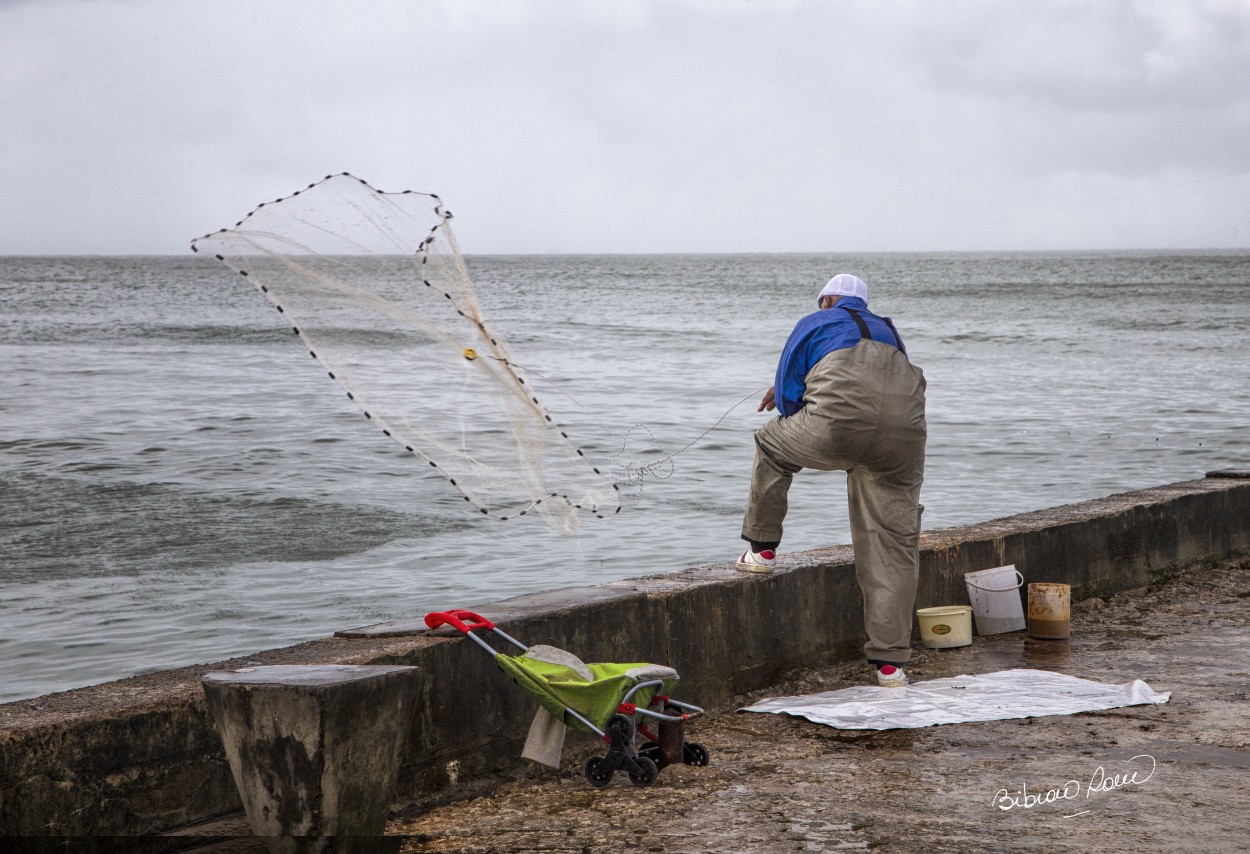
848	399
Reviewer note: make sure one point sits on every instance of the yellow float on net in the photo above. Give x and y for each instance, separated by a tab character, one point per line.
470	353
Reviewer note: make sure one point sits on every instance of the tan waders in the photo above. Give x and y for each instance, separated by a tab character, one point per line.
864	414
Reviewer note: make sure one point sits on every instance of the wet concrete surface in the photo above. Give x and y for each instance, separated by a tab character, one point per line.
783	784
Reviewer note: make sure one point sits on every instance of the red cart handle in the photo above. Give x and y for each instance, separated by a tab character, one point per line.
462	621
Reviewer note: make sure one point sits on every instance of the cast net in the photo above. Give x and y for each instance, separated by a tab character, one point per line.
373	283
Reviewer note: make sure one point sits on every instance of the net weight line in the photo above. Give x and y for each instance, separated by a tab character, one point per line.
325	265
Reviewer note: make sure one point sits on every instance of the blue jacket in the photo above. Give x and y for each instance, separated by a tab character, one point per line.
818	335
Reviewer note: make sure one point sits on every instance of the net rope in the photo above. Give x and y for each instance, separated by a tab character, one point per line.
375	286
630	469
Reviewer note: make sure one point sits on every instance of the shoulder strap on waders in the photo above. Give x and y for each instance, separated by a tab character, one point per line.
863	327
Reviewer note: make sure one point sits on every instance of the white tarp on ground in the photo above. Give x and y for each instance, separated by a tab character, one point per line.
988	697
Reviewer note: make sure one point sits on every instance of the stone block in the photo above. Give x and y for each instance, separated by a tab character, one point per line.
314	749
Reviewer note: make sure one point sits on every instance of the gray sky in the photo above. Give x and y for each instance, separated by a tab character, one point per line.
132	126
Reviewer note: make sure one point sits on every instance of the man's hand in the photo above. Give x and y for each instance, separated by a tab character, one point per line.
769	402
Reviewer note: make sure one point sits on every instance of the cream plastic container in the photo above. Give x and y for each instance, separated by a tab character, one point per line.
945	626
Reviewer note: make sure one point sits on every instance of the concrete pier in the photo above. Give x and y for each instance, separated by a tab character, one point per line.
141	755
314	750
1153	778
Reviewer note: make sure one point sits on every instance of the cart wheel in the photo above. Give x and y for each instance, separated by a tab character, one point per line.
693	753
595	775
648	775
652	751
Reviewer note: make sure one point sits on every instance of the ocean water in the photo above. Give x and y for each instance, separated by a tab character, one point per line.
180	484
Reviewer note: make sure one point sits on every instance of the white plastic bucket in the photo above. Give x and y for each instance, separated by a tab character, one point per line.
945	626
995	597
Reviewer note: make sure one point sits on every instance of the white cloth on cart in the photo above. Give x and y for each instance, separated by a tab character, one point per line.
545	742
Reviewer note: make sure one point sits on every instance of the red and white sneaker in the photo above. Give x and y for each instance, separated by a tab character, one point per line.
763	561
890	676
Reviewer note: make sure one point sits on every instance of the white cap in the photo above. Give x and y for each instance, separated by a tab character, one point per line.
845	285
